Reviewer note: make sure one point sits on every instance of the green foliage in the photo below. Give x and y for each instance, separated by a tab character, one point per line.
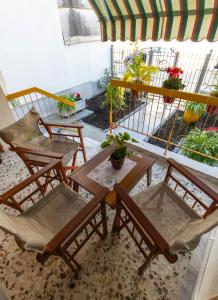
64	108
214	91
205	142
196	107
119	144
116	94
137	71
173	83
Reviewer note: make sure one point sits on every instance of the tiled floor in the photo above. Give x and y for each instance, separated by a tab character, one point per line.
109	266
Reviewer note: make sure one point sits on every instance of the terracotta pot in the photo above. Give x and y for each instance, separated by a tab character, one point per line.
211	109
168	99
116	164
135	93
190	117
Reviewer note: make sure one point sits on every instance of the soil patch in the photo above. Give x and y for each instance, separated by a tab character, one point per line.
100	118
181	129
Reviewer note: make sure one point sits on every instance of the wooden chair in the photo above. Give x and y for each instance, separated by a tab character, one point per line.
60	218
165	218
26	134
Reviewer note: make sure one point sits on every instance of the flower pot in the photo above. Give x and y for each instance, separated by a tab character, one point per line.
212	109
116	164
190	117
135	93
168	99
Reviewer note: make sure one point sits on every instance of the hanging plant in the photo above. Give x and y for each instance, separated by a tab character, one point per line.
173	82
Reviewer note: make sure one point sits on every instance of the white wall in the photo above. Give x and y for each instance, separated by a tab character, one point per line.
32	52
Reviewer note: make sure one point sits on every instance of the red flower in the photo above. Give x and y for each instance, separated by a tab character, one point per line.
174	72
77	95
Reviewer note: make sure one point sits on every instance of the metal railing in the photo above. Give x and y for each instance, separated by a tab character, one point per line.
200	68
44	102
146	113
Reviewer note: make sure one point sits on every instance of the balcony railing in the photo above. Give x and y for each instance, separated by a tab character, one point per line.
44	102
165	125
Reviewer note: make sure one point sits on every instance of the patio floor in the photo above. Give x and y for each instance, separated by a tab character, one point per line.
109	267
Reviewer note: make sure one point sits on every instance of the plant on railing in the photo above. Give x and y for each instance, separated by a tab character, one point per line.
173	82
193	111
214	92
65	109
119	149
116	95
205	142
138	72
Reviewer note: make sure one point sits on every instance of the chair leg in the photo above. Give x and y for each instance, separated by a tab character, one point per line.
76	269
116	223
104	219
82	145
74	158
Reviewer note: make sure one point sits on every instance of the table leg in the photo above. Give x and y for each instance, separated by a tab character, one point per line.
149	175
75	186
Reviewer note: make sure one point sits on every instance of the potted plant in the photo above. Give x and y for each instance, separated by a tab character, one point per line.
212	109
173	82
193	111
205	142
138	72
67	110
119	148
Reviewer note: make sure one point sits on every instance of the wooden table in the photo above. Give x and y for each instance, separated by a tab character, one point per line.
98	173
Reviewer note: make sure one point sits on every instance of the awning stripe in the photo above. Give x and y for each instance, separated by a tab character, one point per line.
144	19
212	29
156	19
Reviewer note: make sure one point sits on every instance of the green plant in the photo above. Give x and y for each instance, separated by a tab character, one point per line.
65	108
205	142
195	107
119	145
137	71
173	83
214	91
116	94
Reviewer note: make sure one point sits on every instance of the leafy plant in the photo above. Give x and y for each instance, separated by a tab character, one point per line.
205	142
65	108
173	81
137	71
214	91
195	107
104	80
117	95
119	144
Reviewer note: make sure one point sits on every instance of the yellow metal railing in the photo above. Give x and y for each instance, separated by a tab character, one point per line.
163	124
43	101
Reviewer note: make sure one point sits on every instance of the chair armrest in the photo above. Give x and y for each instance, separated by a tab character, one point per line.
141	218
76	221
54	155
186	173
20	186
59	125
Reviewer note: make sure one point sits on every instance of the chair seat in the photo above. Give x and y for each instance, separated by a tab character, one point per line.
167	212
39	224
67	148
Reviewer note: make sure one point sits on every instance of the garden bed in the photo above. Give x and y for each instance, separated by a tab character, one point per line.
100	117
180	129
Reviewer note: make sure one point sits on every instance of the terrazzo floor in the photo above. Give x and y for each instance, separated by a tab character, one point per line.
109	267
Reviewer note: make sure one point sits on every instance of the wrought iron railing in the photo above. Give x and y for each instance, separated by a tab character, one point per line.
200	68
44	102
164	124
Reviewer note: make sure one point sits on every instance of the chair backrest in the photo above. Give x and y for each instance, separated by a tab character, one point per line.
28	236
190	236
23	130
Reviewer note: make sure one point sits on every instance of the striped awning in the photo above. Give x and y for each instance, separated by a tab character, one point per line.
157	19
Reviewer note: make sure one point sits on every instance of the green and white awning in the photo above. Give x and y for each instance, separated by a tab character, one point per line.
157	19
